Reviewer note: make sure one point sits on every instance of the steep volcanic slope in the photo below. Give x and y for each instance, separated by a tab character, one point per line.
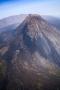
10	23
55	21
32	54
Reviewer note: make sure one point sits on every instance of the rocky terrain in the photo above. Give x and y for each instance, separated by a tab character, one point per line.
12	22
30	56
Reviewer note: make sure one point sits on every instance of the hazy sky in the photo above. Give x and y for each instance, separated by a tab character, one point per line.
42	7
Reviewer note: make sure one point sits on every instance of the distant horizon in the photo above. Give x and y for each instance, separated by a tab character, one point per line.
28	14
41	7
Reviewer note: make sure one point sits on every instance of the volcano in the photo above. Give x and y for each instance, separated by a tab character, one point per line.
31	53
